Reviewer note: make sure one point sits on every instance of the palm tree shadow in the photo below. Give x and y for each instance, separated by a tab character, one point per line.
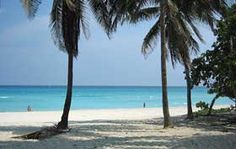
126	134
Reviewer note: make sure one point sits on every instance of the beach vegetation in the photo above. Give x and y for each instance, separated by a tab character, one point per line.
216	68
175	24
204	112
202	105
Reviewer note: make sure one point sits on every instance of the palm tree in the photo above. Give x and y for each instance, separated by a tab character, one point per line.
173	33
66	30
167	120
175	24
174	19
67	21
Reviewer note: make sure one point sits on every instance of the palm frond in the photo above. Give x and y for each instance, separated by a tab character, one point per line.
144	14
101	11
151	38
178	47
194	28
179	36
81	12
31	7
56	24
66	23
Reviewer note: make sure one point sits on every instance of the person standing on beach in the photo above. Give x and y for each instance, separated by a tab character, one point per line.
144	105
29	108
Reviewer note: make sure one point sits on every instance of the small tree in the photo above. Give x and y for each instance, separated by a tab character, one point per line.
216	68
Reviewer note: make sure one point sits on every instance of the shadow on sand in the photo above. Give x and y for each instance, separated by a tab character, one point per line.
130	134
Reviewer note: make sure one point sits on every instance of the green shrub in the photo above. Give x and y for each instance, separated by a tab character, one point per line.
202	105
204	112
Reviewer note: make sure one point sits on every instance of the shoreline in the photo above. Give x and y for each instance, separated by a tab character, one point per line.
49	117
33	117
95	109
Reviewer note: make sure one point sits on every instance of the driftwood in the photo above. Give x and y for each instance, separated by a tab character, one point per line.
43	133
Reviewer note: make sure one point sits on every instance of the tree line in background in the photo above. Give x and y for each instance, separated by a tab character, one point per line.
175	23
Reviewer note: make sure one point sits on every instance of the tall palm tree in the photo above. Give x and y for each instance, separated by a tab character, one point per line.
181	14
175	23
173	33
67	21
66	30
167	120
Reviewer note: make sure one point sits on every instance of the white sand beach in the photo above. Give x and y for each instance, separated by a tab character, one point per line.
115	128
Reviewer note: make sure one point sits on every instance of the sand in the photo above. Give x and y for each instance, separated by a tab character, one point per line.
116	128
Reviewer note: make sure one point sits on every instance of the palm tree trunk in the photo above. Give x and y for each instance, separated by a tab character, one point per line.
231	69
189	100
167	119
63	124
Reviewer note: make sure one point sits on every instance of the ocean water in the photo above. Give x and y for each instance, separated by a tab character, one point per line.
50	98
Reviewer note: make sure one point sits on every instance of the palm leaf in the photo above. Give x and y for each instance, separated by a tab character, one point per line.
31	7
144	14
56	24
101	10
67	17
151	38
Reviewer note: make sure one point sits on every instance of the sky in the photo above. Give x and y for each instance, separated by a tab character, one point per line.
28	55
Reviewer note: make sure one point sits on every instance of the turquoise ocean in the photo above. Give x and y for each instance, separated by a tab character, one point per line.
51	98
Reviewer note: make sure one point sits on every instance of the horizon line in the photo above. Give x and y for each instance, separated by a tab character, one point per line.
92	86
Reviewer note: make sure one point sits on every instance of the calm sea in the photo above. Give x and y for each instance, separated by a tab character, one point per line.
42	98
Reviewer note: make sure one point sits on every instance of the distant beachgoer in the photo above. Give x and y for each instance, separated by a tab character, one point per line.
29	108
144	105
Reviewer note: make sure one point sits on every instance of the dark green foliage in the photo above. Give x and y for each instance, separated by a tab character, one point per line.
202	105
216	68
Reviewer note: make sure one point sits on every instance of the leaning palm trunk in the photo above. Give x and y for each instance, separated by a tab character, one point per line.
189	100
63	124
212	104
167	120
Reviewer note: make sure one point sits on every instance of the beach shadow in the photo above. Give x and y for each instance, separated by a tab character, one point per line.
143	134
208	123
19	130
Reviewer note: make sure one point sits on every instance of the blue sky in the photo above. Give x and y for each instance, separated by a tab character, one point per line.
29	57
